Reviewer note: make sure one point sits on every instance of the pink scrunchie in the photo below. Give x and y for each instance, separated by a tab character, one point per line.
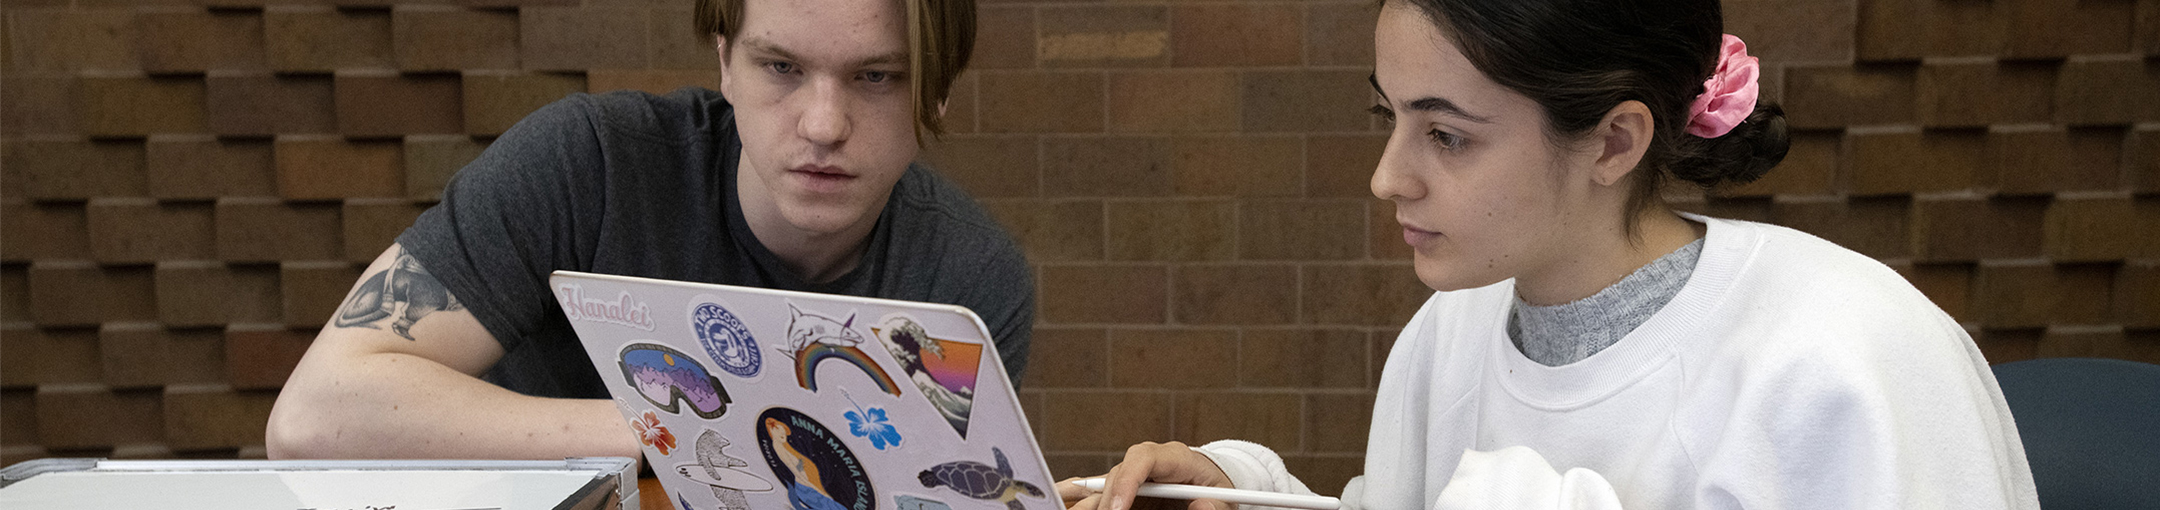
1729	95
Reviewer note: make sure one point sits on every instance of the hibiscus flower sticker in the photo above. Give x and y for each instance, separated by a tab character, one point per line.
653	434
872	424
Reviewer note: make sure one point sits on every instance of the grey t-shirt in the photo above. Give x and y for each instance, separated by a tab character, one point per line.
634	184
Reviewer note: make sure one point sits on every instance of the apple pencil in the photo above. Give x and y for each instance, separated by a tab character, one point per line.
1237	496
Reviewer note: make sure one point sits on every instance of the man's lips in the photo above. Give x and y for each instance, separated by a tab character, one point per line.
822	179
822	171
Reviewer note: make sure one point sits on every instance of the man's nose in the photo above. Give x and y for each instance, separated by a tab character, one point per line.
825	118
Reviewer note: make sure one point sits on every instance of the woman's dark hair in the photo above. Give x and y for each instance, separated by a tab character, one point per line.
1580	58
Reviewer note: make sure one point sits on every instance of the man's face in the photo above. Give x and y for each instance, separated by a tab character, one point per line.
822	101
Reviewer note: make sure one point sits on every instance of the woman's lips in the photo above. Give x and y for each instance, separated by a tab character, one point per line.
1415	237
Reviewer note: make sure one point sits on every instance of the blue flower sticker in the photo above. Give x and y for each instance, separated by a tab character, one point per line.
872	424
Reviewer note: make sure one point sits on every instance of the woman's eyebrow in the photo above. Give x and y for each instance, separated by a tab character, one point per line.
1430	104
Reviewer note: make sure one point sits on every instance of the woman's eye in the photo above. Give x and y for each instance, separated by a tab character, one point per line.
1448	141
1383	112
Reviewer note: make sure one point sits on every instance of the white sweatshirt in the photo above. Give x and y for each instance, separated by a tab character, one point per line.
1789	373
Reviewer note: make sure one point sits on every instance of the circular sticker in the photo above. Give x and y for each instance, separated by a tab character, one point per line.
726	340
815	469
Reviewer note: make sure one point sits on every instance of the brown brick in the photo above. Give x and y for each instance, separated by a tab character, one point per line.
138	106
313	167
676	44
430	161
35	356
18	419
431	38
37	105
213	416
1246	166
1217	35
959	115
1904	160
496	100
81	294
195	355
2148	27
2053	29
2007	345
1340	34
1972	93
2091	228
135	354
1172	230
2144	159
2107	90
1078	464
1949	286
53	41
1240	295
383	103
1386	242
1756	209
313	290
1005	37
1173	358
1106	167
1053	231
1306	101
262	356
1810	167
372	225
1342	166
1890	30
656	82
989	166
2137	294
73	169
1069	358
1966	228
1875	227
263	104
1785	32
209	293
1327	229
1103	36
1273	419
205	167
1103	294
1910	29
1361	294
44	230
94	416
579	38
2046	160
1173	101
14	294
141	230
2031	294
322	39
2084	342
267	230
1321	358
1337	422
178	41
1105	421
1041	102
1818	97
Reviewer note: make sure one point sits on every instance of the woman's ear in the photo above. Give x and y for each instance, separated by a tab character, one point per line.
1622	137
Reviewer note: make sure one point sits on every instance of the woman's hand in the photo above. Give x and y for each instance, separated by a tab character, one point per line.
1171	462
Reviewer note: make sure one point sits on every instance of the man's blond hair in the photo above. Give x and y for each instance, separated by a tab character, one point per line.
941	37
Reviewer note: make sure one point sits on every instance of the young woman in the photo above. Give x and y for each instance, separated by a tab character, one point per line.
1590	347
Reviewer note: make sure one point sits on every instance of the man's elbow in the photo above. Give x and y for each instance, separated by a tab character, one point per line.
293	432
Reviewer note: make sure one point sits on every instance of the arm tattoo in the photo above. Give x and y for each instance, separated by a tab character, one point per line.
404	290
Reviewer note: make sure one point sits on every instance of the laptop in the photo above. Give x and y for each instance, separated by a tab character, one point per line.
758	398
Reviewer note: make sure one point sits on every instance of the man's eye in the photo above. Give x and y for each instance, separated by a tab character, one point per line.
780	67
877	76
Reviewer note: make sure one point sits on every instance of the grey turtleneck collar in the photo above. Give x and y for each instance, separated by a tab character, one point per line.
1562	334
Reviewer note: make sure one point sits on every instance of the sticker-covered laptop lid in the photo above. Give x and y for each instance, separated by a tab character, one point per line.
759	398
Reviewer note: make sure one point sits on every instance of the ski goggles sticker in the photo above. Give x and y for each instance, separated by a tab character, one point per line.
665	376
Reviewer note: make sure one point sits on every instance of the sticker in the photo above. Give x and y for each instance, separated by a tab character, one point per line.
813	338
873	424
681	503
652	433
906	502
943	369
726	340
975	480
718	469
667	377
623	312
816	469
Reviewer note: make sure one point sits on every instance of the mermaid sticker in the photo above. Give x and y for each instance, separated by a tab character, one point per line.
816	470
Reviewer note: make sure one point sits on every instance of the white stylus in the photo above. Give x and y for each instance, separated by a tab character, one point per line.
1238	496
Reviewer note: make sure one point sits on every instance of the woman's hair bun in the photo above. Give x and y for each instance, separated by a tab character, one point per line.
1741	156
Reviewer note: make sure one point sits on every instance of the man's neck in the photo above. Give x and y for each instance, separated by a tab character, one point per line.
816	257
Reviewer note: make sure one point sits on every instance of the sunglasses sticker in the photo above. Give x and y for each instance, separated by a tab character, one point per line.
943	369
981	481
726	340
721	471
813	338
815	468
668	379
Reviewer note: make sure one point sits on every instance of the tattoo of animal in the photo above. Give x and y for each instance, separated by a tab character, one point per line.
404	290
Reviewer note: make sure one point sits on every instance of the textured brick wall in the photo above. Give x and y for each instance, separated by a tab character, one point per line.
189	190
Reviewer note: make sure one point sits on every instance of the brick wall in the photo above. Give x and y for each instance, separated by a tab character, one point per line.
190	187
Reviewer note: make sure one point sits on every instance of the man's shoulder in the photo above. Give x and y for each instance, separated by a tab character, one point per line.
688	113
942	220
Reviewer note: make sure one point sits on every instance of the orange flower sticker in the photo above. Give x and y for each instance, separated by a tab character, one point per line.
653	434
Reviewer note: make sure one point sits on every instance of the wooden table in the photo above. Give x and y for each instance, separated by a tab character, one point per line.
651	496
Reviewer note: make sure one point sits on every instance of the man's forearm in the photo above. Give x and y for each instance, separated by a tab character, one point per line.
390	405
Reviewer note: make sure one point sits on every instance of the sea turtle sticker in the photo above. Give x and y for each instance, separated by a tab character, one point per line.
979	481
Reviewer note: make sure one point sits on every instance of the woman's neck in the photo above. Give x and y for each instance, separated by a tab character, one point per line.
1606	257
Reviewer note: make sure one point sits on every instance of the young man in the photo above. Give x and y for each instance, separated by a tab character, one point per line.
795	175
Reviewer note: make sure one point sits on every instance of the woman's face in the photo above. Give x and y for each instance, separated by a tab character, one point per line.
1481	192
